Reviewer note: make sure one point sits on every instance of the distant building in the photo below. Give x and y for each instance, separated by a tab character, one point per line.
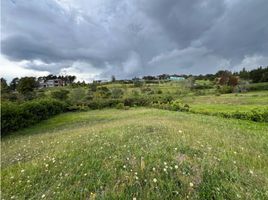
51	83
101	81
176	78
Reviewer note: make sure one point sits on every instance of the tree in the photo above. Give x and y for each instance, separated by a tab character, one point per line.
244	74
113	78
233	81
190	82
14	83
26	85
4	86
259	75
71	79
264	77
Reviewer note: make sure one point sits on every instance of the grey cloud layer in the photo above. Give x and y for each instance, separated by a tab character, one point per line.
128	38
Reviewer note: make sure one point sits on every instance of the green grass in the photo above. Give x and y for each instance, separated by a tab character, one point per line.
249	98
139	153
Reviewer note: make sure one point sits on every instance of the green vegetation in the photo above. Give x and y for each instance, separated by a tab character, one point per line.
184	149
15	116
171	95
138	153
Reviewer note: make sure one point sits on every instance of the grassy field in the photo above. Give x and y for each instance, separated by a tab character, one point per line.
136	154
228	103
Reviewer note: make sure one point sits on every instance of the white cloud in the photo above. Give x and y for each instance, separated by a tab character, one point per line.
251	62
83	71
11	69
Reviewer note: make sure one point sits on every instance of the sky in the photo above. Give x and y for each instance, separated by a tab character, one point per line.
126	38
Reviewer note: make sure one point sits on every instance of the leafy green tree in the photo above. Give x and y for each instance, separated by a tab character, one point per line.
26	85
244	74
14	83
264	77
4	86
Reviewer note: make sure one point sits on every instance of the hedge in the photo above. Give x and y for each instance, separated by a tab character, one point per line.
15	116
256	115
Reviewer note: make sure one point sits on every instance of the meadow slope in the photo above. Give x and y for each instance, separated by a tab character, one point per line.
138	153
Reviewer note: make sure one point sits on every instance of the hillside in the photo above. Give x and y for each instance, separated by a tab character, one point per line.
139	153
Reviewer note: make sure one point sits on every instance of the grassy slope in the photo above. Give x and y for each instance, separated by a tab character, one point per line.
110	154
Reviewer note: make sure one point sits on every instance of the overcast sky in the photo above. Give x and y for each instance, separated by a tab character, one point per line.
94	39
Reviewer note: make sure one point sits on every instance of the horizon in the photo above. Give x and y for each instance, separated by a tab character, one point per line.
131	78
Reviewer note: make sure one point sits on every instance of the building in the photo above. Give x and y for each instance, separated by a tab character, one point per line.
176	78
50	83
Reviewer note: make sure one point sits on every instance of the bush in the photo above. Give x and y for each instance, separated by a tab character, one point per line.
120	106
177	105
15	116
142	101
103	103
60	94
159	91
257	115
257	86
117	93
77	108
225	89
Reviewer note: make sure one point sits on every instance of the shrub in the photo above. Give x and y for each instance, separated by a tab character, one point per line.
60	94
141	101
257	86
117	93
103	92
120	106
225	89
159	91
77	108
103	103
15	116
135	93
77	96
167	99
177	105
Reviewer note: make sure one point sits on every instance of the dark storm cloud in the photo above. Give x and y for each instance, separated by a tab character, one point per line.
184	21
242	30
129	38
